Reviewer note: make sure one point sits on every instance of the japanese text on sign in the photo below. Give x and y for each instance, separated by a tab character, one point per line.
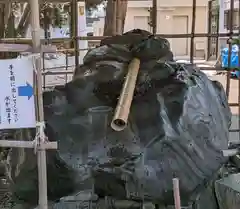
17	108
11	101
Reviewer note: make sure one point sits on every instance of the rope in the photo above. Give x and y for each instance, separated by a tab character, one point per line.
40	126
40	135
34	58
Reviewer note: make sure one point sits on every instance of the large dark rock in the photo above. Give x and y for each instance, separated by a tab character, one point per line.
177	127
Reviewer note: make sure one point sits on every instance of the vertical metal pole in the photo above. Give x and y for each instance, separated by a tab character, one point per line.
66	76
118	18
41	155
46	26
239	67
230	46
35	25
114	27
71	24
217	38
75	16
43	71
209	29
2	11
154	16
193	30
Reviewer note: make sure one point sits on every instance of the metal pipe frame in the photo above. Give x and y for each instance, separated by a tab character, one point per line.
99	38
191	35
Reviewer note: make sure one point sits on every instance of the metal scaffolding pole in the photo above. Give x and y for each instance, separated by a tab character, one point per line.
41	153
193	30
74	29
154	17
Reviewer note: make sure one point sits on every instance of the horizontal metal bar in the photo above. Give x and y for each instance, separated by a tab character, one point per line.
46	71
57	73
233	104
24	1
15	48
188	35
93	38
9	47
234	130
48	49
234	143
27	144
73	50
197	35
66	67
230	152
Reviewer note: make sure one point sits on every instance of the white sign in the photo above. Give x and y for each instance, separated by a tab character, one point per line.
17	107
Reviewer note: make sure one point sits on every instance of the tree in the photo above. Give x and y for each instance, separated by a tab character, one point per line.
54	14
115	17
50	14
2	24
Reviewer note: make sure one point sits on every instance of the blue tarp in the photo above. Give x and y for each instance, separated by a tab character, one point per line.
236	74
234	57
234	60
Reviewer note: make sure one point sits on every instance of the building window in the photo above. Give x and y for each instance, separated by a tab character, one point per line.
227	17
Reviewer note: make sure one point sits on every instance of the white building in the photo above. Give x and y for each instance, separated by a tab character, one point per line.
224	15
173	17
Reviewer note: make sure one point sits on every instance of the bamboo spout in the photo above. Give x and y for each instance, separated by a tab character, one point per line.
122	110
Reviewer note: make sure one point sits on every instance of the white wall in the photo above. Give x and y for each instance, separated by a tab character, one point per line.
134	9
137	15
181	3
98	27
132	15
165	24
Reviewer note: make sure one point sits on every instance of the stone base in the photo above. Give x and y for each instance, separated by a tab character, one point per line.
228	192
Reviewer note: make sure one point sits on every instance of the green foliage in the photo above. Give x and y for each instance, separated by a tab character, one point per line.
53	14
56	14
92	4
236	41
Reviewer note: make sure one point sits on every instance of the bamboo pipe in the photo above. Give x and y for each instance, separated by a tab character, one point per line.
176	193
122	110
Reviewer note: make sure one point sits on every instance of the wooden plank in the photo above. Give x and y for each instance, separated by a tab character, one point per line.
22	1
25	48
15	47
27	144
48	48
